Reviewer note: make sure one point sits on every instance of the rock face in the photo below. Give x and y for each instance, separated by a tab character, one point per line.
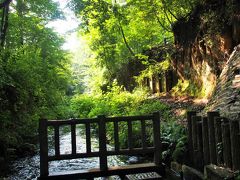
226	97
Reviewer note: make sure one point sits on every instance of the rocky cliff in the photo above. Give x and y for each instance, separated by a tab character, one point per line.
226	97
204	41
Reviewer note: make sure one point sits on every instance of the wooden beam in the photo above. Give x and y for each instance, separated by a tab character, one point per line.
71	121
143	133
206	153
211	132
135	151
73	137
116	136
130	139
73	156
117	170
129	118
43	140
235	144
156	139
102	143
190	114
218	138
88	138
227	157
56	139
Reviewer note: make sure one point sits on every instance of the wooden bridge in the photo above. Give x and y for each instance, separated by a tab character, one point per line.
101	122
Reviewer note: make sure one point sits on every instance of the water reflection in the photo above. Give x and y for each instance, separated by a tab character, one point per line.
28	168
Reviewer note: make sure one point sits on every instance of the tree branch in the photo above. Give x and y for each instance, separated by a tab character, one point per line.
4	25
5	3
125	40
159	22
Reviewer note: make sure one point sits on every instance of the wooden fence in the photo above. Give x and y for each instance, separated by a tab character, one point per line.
103	152
213	140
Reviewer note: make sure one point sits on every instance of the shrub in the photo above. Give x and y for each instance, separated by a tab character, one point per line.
121	103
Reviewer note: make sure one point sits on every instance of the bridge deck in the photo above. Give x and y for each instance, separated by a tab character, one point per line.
119	170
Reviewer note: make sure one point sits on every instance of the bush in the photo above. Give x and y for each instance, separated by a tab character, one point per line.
122	103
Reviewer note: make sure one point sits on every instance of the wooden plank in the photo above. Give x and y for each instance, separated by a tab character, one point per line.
194	131
206	153
116	170
116	136
218	138
200	145
189	126
227	157
71	121
88	137
130	138
211	132
156	139
102	143
95	120
195	119
73	156
235	144
43	140
56	140
129	118
143	134
135	151
73	137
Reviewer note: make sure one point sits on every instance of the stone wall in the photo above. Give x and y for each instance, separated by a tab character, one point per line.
226	97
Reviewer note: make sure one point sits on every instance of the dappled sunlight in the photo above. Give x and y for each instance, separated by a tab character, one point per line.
137	73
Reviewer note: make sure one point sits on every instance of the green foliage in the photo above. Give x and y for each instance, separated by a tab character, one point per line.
152	69
187	87
119	32
121	103
174	138
114	103
34	72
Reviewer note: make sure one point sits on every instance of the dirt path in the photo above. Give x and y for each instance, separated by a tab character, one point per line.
180	105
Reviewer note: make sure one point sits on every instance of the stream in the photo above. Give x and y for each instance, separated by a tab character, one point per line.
28	168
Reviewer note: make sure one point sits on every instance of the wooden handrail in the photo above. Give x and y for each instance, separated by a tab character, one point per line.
103	153
213	140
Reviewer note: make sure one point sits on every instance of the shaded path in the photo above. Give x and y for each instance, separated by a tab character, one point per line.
180	105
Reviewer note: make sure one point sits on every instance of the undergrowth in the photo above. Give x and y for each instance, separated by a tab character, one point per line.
122	103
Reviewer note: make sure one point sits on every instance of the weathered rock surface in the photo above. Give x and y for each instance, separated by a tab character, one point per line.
214	172
191	174
226	97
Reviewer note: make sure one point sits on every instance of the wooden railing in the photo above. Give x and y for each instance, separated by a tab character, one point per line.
213	140
103	153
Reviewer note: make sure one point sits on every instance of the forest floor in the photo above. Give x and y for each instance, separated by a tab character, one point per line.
180	105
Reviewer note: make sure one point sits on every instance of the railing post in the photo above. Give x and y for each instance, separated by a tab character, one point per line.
102	143
43	140
211	133
195	139
206	154
235	143
227	156
200	144
157	140
116	136
218	139
190	142
56	139
73	138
